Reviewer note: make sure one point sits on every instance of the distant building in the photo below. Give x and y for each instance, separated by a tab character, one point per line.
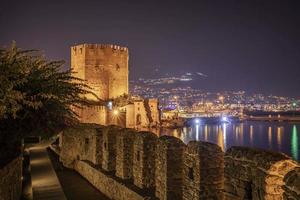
142	113
105	70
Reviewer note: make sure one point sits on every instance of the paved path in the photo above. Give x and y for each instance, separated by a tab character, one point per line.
45	184
74	185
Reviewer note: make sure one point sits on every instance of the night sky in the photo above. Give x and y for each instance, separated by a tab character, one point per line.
240	45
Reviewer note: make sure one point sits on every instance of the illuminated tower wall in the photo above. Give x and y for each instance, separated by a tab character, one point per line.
104	67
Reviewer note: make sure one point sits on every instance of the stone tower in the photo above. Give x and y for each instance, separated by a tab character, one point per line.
104	67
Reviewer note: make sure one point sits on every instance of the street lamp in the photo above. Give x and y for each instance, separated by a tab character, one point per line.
294	104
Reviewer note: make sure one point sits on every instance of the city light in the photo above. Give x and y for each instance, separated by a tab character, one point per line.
224	119
197	121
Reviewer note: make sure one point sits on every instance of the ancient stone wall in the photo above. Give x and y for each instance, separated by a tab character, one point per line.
111	187
109	148
10	180
144	160
130	116
142	113
292	185
124	156
93	114
139	165
255	174
81	143
169	168
203	171
154	111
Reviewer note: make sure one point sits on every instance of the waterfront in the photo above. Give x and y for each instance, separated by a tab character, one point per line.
276	136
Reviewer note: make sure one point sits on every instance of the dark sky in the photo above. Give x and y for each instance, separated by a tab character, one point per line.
252	45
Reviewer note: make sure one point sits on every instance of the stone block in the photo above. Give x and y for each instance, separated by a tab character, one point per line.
169	168
124	156
203	171
144	160
81	143
109	148
257	174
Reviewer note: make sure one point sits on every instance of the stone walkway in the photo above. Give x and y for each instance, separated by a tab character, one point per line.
73	184
52	181
45	184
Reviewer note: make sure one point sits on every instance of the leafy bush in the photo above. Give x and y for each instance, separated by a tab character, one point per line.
36	96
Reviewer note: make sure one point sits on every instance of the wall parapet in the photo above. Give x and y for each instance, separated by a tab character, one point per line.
140	165
107	184
10	180
256	174
100	46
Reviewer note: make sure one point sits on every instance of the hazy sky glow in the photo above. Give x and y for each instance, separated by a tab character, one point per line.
252	45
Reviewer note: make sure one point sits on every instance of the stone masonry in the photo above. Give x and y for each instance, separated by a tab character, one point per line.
143	166
81	143
104	67
109	148
292	185
10	180
108	185
208	159
168	168
256	174
124	156
144	160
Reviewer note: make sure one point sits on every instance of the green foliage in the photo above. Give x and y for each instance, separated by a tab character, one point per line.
36	96
121	100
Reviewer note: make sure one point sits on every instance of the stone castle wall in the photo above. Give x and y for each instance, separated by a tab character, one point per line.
144	147
93	114
104	67
10	180
169	168
203	171
142	113
83	142
258	174
125	164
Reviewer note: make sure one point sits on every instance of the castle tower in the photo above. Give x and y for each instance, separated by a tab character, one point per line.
104	67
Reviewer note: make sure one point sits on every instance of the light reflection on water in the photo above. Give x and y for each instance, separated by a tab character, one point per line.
282	137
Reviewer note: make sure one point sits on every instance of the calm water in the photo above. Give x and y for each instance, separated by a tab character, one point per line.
282	137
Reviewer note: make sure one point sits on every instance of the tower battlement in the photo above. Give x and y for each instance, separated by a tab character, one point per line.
99	46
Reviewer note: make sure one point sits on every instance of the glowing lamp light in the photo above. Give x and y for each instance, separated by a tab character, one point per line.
116	112
294	104
197	121
109	105
224	119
